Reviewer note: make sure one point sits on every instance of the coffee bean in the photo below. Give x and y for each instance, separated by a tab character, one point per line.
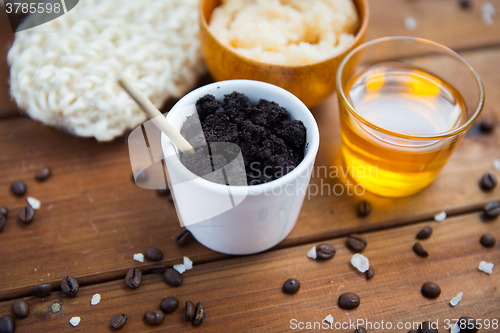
169	304
2	222
20	308
183	238
42	174
7	324
199	316
488	182
487	240
153	317
360	330
356	243
364	208
153	254
430	290
4	211
467	324
427	327
118	321
291	286
172	277
487	126
419	250
26	215
190	311
425	233
18	188
42	290
370	273
349	301
158	269
464	4
70	286
324	251
133	278
492	210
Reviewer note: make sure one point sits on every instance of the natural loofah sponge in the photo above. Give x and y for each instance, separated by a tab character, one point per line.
63	72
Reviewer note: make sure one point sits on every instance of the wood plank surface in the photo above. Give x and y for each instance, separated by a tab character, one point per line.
7	106
93	218
244	294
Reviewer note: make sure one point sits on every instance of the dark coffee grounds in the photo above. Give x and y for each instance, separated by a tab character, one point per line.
271	144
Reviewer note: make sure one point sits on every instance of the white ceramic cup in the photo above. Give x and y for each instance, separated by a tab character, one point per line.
262	215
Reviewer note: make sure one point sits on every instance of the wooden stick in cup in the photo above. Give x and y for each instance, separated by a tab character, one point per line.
155	115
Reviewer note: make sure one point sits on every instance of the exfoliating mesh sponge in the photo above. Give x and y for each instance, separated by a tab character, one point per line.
63	72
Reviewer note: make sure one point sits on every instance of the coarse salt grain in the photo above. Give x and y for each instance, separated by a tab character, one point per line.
496	164
329	319
487	11
179	268
139	257
410	23
312	253
95	299
486	267
188	264
455	328
74	321
34	203
360	262
455	300
440	217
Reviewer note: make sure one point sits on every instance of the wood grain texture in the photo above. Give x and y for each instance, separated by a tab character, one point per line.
7	106
93	218
244	293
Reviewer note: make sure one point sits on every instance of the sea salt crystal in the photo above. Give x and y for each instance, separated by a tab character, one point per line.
455	328
74	321
188	264
139	257
486	267
440	217
34	203
488	10
410	23
360	262
180	268
329	319
312	253
455	300
496	164
95	299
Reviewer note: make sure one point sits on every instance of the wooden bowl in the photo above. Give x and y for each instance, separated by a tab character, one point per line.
310	82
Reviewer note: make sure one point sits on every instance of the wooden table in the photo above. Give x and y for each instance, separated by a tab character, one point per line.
93	219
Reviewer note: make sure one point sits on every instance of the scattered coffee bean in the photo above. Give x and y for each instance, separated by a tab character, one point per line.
291	286
158	269
26	215
42	174
356	243
370	273
324	251
464	4
118	321
487	126
487	240
427	327
133	278
153	254
172	277
199	316
492	210
467	325
349	301
2	222
70	286
488	182
364	208
183	238
20	308
190	311
425	233
419	250
7	324
169	304
42	290
430	290
4	211
154	317
18	188
163	192
360	330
